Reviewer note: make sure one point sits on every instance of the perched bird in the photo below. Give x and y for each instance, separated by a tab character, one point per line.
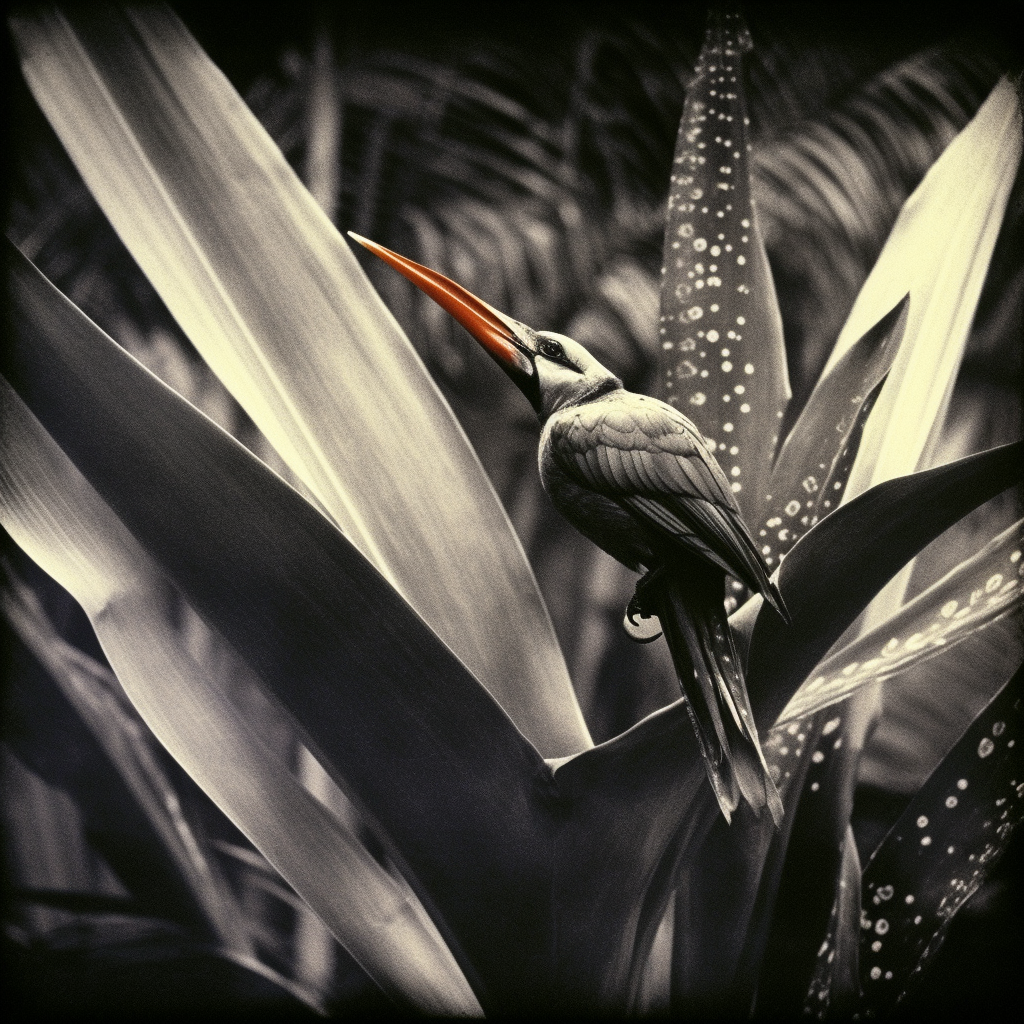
636	477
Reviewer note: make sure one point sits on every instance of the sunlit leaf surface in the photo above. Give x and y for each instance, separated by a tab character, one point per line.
938	251
985	588
265	288
721	334
940	851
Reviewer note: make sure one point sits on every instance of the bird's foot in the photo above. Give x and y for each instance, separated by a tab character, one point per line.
641	623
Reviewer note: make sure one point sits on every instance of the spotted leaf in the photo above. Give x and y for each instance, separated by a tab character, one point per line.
837	568
810	475
723	359
816	760
981	590
940	851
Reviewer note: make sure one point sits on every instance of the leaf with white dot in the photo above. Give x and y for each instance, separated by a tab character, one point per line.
731	296
969	808
816	782
816	457
978	592
837	568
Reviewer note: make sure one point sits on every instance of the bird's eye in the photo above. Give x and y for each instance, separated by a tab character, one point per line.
551	349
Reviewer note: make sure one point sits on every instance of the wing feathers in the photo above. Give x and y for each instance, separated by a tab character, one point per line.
649	458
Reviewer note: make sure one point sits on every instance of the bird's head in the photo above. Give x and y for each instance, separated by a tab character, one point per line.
553	371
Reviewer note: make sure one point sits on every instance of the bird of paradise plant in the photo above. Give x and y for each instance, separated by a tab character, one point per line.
382	602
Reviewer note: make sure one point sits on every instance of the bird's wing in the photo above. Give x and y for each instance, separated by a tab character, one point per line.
654	462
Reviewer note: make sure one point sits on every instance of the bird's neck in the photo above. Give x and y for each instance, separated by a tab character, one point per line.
587	391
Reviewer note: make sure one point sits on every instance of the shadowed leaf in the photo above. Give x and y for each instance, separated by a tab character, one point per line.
131	604
922	721
266	289
93	692
940	851
723	359
835	986
837	568
982	590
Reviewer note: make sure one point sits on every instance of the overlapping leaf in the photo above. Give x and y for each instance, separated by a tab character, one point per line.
809	477
940	851
271	296
983	589
938	251
92	690
314	620
862	543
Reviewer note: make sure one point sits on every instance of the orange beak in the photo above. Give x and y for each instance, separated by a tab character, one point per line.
495	332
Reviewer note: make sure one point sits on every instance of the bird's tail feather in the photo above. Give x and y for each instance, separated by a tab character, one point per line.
703	652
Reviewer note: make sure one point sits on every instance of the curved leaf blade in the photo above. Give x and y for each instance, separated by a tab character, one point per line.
66	527
377	695
938	251
836	569
271	296
811	472
923	721
982	590
723	358
940	851
93	691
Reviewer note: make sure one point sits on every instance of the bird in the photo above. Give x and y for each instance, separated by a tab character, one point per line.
636	477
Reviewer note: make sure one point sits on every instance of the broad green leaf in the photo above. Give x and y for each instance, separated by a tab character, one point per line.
92	690
67	528
938	251
835	570
273	299
939	852
980	591
396	719
811	472
723	358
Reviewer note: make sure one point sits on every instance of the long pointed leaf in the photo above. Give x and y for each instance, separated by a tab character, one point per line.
90	689
811	472
57	518
723	359
938	251
836	569
266	289
940	851
980	591
377	695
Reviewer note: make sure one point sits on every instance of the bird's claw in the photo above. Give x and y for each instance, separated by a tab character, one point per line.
641	624
640	627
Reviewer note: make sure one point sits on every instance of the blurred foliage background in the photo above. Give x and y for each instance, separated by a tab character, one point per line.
525	152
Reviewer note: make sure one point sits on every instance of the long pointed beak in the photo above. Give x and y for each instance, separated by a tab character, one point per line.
492	329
